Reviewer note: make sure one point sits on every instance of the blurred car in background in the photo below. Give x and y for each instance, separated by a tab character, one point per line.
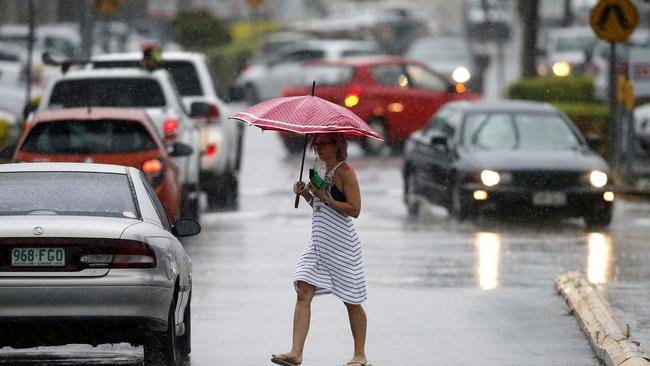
219	141
451	56
107	136
394	95
506	157
153	91
567	52
266	79
89	257
599	66
487	20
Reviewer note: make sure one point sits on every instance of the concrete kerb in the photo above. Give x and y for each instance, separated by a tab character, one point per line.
610	340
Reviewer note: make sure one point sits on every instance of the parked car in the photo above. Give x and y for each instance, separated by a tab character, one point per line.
107	136
394	95
495	156
567	51
219	139
266	79
452	57
153	91
88	256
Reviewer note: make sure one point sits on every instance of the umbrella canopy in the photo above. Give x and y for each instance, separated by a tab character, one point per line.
305	115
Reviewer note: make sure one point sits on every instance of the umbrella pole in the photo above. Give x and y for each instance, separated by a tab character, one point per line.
302	166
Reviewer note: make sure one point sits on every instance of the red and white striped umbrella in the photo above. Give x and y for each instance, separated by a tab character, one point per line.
305	115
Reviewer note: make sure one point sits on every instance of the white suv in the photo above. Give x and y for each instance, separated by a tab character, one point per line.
133	88
220	141
266	79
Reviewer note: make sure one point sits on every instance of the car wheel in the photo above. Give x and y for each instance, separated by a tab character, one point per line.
598	217
190	203
161	348
373	146
251	95
185	341
410	198
459	209
226	195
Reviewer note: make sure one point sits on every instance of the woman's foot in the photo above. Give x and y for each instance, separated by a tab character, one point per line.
358	361
287	359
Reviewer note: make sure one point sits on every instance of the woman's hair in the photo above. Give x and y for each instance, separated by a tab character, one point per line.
340	142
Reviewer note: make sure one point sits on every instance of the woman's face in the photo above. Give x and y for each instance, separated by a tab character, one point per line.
325	146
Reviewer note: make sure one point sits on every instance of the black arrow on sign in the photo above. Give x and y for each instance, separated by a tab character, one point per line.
622	19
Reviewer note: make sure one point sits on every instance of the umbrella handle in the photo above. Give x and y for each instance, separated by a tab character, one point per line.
302	166
295	205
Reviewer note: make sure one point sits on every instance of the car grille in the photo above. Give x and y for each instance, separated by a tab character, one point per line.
546	179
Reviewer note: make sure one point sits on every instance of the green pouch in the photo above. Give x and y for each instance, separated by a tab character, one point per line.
316	179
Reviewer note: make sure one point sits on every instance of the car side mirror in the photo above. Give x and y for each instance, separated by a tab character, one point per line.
200	109
180	149
186	227
451	89
439	141
593	141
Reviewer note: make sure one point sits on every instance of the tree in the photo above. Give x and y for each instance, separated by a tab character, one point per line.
199	29
529	11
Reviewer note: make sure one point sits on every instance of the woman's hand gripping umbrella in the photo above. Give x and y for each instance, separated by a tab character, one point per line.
305	115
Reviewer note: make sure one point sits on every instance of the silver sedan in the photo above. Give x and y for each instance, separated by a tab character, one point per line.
88	256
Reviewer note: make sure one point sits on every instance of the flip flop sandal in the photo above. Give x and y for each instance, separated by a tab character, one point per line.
355	363
283	362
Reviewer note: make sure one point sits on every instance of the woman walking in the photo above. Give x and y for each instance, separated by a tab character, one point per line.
331	262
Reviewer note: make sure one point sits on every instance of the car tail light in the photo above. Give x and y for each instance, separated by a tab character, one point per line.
214	112
170	127
121	254
352	97
211	150
153	168
246	69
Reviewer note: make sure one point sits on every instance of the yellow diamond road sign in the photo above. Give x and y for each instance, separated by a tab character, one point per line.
613	20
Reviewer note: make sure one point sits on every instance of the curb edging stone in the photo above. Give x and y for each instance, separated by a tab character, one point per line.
602	327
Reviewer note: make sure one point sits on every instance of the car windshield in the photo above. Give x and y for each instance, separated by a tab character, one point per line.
439	51
50	193
88	137
103	92
584	44
325	75
518	131
183	72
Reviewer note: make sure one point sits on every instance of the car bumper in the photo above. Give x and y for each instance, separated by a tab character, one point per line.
577	200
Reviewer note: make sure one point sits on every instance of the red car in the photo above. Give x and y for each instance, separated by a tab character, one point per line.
395	96
107	136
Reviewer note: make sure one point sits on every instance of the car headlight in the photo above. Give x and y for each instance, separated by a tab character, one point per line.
561	69
461	74
490	178
597	178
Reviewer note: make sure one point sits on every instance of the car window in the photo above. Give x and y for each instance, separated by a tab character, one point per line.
490	131
102	92
360	52
392	75
421	78
60	45
183	72
49	193
88	137
303	55
160	211
447	121
523	131
325	75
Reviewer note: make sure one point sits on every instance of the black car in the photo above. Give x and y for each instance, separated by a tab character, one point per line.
506	156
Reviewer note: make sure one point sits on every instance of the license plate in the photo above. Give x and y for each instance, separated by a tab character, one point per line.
549	198
38	257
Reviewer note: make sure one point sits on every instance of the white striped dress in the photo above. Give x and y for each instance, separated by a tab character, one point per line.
332	260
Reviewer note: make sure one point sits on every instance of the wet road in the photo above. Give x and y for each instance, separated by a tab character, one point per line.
440	292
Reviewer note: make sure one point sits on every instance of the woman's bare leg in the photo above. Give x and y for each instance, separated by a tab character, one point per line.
301	317
358	325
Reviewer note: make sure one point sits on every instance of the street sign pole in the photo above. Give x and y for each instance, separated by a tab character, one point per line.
612	126
30	52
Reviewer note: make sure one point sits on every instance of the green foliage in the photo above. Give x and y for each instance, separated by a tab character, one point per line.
199	29
228	61
590	118
5	127
579	89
